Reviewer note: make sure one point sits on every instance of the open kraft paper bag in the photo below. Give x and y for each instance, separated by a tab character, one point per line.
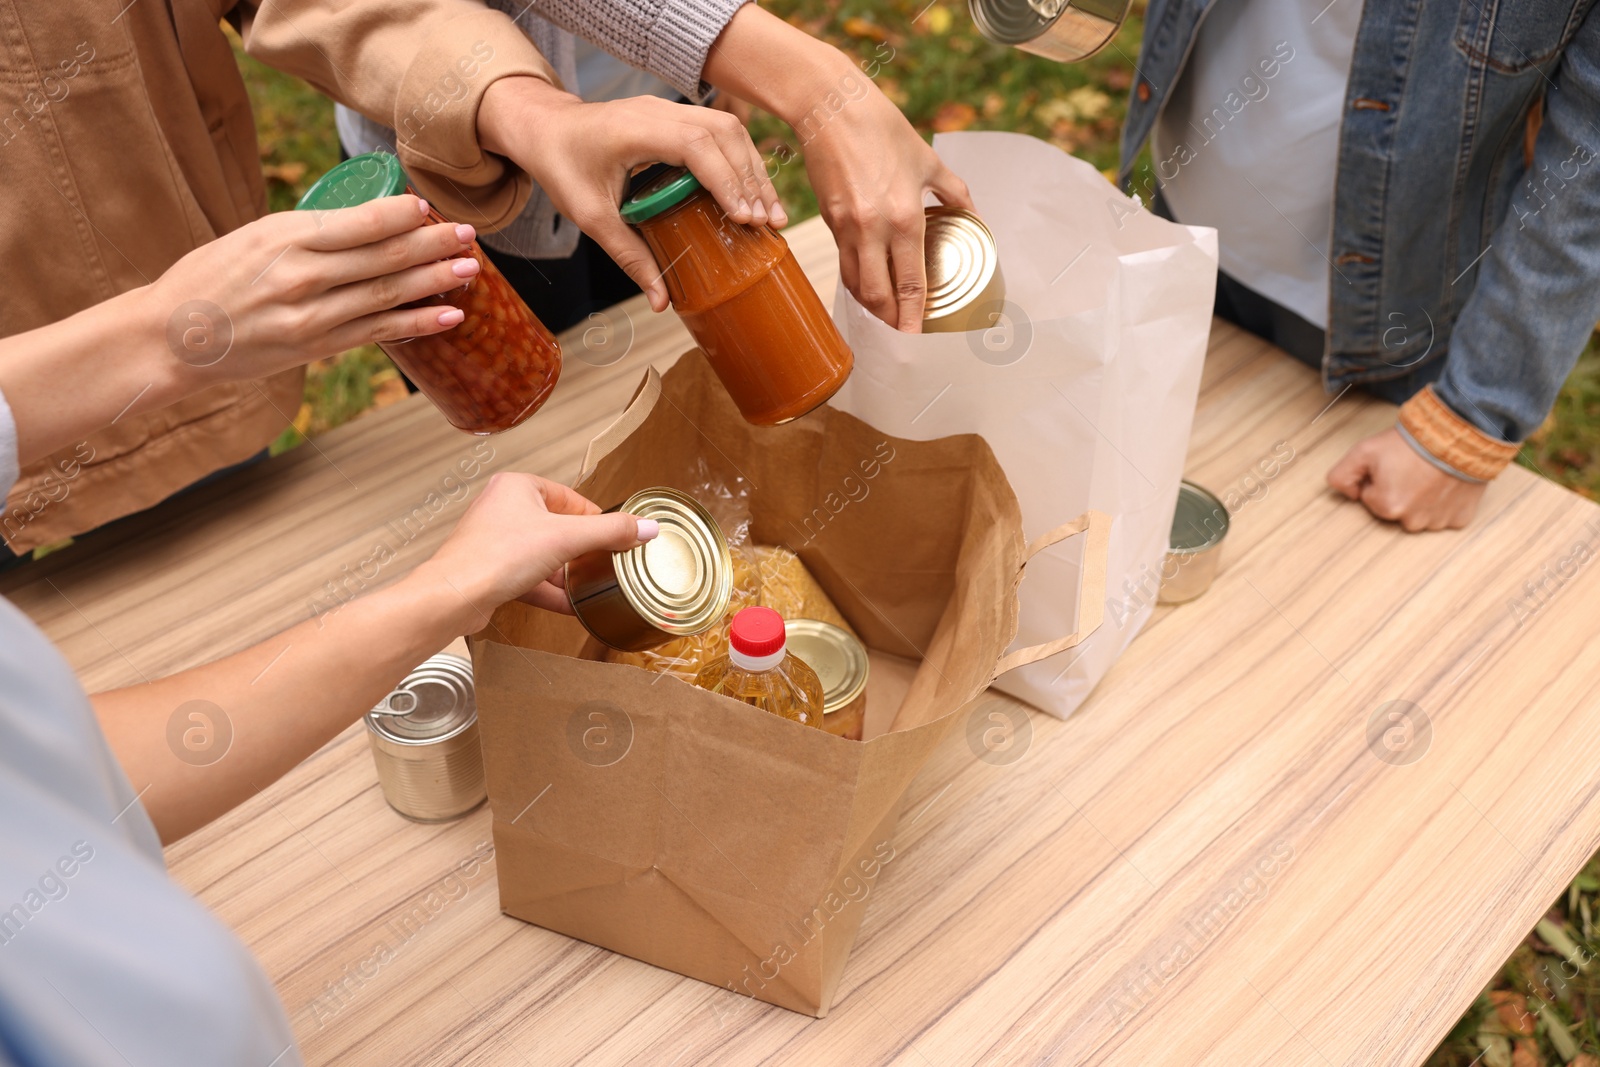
685	829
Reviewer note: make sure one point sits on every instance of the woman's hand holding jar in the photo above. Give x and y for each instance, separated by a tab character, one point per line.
582	154
275	293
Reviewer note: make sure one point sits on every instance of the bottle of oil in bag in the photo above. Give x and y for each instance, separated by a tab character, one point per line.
759	670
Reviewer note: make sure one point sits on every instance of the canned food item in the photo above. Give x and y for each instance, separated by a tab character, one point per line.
741	294
493	369
424	739
965	288
1063	30
675	585
1199	525
841	663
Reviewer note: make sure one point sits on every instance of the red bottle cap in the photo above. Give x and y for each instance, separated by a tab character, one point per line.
757	632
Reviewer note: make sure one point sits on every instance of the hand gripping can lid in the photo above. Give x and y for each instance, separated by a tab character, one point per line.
841	665
965	288
673	586
424	738
1063	30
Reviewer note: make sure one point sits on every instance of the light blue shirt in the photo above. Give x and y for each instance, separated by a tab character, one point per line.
1248	142
104	960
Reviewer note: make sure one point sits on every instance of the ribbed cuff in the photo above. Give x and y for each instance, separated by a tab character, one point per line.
1452	443
437	137
682	37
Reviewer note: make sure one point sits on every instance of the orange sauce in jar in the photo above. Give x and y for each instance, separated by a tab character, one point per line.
745	300
490	371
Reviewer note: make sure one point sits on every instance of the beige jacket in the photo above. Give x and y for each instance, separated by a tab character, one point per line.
126	140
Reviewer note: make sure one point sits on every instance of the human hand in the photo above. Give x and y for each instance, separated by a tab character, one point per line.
513	542
1385	473
299	285
869	168
738	107
582	154
273	294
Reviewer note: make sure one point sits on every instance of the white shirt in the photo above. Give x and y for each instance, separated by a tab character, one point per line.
103	959
1248	141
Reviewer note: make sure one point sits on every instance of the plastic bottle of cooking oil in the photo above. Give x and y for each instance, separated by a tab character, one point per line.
759	670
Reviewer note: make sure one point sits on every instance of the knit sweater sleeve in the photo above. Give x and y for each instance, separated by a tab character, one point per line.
668	38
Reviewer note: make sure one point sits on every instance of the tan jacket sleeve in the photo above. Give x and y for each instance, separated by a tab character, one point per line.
419	66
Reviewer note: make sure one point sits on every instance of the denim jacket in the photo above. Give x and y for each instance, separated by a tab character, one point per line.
1448	244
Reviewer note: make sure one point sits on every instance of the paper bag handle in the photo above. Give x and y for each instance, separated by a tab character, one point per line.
1091	595
639	408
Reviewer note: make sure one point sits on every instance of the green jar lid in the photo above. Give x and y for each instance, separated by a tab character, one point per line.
356	181
672	188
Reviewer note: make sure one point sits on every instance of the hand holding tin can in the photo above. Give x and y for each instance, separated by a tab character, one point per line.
679	583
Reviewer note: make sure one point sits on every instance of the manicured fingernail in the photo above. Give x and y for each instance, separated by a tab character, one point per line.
648	528
465	267
744	207
451	317
758	211
780	217
422	205
465	234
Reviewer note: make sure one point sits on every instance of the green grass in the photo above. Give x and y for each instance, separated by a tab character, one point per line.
1564	448
1541	1007
946	77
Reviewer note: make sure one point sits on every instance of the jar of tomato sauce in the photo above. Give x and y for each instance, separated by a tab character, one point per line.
494	368
744	298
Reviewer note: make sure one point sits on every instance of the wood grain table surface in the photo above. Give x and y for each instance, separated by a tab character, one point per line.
1211	862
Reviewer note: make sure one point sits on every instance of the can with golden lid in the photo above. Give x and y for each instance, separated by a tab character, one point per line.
965	288
424	738
675	585
841	663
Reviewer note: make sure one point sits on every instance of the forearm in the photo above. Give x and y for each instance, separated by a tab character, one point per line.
1538	288
68	379
667	38
776	66
278	701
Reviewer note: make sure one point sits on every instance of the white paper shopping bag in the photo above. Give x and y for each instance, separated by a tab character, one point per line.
1084	386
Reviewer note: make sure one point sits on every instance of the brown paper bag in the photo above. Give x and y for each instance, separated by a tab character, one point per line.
691	831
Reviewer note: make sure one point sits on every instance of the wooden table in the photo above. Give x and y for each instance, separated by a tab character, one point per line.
1207	864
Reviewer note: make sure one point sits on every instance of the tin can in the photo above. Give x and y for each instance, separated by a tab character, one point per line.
965	287
841	663
424	738
676	585
1063	30
1199	526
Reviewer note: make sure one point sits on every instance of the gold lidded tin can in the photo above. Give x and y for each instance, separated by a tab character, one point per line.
841	664
965	287
1063	30
675	585
1199	526
424	738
